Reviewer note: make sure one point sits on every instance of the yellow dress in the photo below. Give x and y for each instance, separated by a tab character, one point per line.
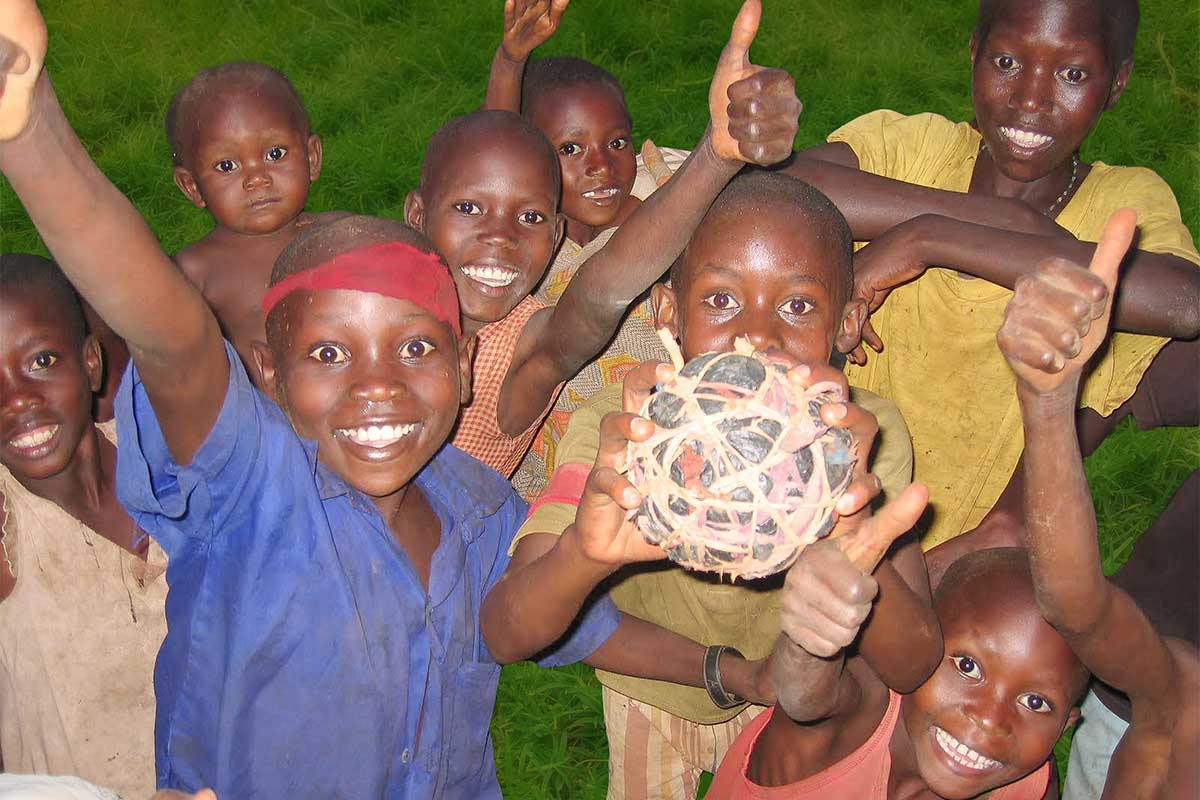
940	362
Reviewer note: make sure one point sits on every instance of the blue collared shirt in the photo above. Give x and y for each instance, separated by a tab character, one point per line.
303	656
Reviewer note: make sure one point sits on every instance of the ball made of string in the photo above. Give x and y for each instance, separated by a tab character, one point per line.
741	473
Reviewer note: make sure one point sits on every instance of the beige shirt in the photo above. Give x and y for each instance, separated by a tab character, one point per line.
697	605
78	638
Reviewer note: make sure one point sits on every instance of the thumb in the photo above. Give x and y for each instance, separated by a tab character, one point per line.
1114	243
745	27
652	158
867	544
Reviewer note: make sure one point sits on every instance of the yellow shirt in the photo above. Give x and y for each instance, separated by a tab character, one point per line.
940	362
697	605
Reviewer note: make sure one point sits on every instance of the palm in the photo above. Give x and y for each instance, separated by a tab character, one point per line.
22	52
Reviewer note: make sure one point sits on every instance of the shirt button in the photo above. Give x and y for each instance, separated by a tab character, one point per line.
404	756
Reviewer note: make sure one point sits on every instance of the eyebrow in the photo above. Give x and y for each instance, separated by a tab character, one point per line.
730	272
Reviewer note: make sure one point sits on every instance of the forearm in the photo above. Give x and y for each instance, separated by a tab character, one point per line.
535	602
1160	294
504	83
640	251
807	687
902	640
99	239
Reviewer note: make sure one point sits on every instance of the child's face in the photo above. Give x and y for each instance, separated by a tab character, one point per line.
250	163
1002	696
47	377
492	212
1040	81
375	381
764	276
588	125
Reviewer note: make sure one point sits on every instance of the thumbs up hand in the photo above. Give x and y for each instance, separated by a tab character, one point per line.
753	109
22	50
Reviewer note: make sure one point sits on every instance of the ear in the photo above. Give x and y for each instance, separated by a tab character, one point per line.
560	230
414	210
466	358
264	362
187	184
1072	718
973	46
314	157
93	362
849	333
1119	82
666	310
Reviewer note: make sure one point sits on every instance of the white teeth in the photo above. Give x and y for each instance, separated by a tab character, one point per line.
34	438
497	277
599	194
1025	138
377	435
961	753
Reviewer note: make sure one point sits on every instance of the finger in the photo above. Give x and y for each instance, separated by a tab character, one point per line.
857	356
640	382
1025	345
556	10
867	544
1114	243
605	484
865	487
871	338
811	642
861	425
656	165
617	430
1059	331
509	13
807	375
1063	289
13	60
745	28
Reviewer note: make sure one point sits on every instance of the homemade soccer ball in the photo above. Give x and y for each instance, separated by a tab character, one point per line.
742	473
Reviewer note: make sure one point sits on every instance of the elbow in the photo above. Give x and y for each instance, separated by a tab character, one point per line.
502	638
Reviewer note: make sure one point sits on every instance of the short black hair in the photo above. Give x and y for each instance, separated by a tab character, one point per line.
486	123
561	72
754	188
41	279
248	76
319	243
1122	17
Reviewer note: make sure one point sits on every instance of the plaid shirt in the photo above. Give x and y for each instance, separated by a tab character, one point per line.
478	431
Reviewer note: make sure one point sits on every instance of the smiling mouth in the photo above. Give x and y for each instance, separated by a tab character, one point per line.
1024	138
493	276
962	754
602	193
34	438
377	436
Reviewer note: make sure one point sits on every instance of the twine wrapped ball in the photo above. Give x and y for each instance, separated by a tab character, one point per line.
741	473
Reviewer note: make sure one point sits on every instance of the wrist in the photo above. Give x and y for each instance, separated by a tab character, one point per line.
717	658
707	153
581	561
503	55
1048	407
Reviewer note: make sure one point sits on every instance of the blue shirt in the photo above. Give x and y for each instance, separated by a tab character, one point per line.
303	656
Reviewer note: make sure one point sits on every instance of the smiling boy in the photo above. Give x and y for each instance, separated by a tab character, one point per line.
242	148
323	633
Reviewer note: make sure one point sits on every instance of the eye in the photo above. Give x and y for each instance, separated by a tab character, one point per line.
722	301
44	360
967	667
1072	75
329	354
619	143
1035	703
1005	62
468	208
796	307
225	165
532	217
569	149
276	153
416	348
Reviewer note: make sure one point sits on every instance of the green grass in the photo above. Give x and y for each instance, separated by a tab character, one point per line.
378	76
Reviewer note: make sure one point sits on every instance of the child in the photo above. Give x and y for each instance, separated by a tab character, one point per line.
771	262
1057	319
242	148
982	200
81	588
581	109
328	555
489	201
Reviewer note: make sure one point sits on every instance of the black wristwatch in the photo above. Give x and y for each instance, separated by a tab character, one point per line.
712	676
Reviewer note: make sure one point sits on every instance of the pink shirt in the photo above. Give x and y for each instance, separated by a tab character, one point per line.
862	775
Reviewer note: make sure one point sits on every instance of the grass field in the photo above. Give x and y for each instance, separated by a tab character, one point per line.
378	76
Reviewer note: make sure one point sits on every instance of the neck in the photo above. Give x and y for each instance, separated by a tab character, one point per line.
285	231
85	484
1047	194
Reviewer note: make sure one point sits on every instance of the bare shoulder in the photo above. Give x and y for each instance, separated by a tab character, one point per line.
197	259
313	218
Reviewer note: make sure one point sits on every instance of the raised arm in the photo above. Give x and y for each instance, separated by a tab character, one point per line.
105	247
1056	321
527	24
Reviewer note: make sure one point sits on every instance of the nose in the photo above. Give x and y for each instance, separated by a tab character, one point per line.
255	175
376	382
597	162
1032	91
760	330
991	714
498	230
17	395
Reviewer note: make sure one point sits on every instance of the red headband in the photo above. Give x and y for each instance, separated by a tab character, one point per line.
392	269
